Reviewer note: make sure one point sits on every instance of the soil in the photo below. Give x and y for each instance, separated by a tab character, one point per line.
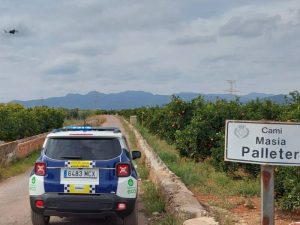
248	209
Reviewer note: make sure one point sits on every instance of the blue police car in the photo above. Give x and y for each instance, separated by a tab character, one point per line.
84	171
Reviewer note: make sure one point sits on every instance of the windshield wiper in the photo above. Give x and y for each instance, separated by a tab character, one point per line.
71	157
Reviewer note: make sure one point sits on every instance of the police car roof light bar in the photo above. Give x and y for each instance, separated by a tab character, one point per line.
87	128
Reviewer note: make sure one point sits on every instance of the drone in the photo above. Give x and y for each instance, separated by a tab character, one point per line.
14	31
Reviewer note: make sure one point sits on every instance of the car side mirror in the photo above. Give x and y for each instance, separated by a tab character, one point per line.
136	155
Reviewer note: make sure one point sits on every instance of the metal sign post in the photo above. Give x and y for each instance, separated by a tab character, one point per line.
267	195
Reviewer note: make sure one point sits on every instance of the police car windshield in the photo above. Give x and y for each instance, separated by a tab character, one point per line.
83	148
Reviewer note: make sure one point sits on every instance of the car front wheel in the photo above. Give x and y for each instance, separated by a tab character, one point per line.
39	219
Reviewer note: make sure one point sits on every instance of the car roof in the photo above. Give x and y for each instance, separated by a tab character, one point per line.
84	131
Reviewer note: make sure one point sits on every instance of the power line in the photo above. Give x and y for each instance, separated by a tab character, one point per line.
232	87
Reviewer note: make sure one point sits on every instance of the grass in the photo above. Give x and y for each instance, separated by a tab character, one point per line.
224	218
167	220
151	198
19	166
202	178
153	202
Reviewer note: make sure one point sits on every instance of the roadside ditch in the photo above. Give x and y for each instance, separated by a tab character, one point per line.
153	204
179	201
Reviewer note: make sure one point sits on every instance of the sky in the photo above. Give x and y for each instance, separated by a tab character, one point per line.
160	46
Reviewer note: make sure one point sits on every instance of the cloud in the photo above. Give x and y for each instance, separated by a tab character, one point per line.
250	26
88	48
62	67
223	58
194	40
159	46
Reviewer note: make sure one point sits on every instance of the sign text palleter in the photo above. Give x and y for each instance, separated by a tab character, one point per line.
263	143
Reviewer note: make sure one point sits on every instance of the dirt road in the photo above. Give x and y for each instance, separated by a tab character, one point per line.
14	200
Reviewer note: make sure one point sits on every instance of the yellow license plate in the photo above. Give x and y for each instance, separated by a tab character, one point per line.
80	164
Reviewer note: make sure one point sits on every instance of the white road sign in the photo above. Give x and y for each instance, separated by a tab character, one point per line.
262	143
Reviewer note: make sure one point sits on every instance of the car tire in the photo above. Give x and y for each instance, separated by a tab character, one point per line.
132	219
39	219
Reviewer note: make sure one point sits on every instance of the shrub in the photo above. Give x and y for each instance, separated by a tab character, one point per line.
197	130
18	122
287	187
201	135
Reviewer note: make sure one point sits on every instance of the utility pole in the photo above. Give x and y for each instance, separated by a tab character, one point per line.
97	102
232	87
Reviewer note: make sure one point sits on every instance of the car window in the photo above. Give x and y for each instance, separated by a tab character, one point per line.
83	148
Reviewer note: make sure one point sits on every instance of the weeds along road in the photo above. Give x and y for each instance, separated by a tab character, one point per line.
15	207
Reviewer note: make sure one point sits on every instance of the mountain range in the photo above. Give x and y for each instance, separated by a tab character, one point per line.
134	99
